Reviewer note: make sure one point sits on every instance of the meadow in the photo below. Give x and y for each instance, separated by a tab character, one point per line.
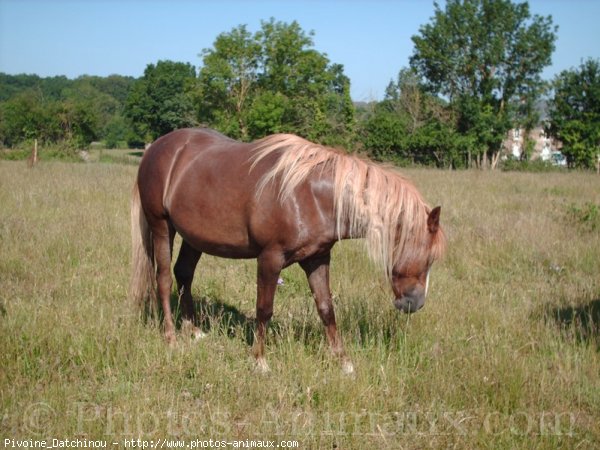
505	354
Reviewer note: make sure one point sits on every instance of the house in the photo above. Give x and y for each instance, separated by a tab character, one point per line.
545	147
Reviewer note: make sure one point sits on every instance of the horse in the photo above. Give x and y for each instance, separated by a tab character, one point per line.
281	200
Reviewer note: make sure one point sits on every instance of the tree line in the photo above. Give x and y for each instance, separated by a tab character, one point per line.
55	110
474	74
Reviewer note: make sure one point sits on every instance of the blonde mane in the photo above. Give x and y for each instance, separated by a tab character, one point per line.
371	200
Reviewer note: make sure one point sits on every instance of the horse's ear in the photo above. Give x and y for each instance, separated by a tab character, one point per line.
433	221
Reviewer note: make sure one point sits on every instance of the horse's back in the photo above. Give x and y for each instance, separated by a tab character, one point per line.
166	148
175	155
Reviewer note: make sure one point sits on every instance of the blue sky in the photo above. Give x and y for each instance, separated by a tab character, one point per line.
370	38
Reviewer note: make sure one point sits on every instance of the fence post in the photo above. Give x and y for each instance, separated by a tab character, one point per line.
33	159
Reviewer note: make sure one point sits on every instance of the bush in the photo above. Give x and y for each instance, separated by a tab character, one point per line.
61	152
515	165
64	151
16	154
117	159
587	216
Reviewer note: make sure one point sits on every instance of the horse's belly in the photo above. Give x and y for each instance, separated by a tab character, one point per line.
219	239
223	250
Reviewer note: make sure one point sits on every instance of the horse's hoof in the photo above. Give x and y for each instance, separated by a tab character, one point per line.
171	339
191	330
262	366
198	334
347	367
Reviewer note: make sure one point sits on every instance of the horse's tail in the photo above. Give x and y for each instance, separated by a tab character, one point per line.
142	288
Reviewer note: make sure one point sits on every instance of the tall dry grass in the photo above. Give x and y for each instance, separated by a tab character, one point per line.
505	353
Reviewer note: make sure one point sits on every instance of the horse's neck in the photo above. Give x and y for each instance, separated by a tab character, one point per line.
348	230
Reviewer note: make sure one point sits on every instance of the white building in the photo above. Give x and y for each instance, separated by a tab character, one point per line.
545	147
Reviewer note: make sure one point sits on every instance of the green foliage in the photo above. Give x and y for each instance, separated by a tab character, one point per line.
274	81
116	132
587	216
15	154
575	113
438	144
63	151
516	165
227	79
29	115
57	111
115	86
161	101
411	126
383	134
50	87
111	158
481	55
267	113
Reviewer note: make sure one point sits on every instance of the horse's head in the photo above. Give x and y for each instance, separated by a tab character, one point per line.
410	279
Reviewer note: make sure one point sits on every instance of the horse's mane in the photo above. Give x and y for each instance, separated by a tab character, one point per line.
371	199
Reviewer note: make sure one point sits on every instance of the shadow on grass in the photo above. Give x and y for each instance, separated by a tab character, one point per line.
139	153
212	314
306	328
583	322
209	313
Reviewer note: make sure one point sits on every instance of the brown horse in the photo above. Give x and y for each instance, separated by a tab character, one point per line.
280	200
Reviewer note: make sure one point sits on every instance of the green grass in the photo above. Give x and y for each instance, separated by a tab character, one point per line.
505	354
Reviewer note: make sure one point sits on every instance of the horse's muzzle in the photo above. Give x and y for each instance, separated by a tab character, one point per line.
409	304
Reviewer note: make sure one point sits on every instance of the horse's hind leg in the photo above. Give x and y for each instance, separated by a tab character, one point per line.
162	236
268	269
317	272
184	275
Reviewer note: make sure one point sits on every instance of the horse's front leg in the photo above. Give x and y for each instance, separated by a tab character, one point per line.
268	270
317	272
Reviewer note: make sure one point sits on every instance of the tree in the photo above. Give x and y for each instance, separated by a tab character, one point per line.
29	115
481	55
116	86
228	81
115	132
88	110
56	110
575	113
412	126
50	87
274	81
162	99
383	134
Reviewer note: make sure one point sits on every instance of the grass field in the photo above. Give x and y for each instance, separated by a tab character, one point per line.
505	354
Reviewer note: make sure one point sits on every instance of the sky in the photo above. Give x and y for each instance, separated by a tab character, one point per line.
370	38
